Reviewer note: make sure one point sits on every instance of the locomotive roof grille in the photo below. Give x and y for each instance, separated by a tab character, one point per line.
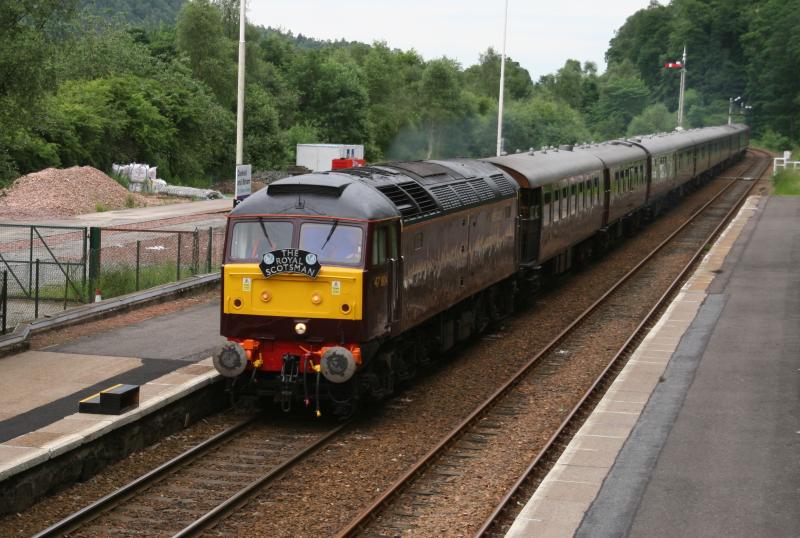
503	185
447	197
466	193
410	198
422	197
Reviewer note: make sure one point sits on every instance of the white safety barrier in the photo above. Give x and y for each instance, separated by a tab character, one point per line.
784	163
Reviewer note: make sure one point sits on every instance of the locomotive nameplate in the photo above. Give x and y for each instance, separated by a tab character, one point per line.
289	260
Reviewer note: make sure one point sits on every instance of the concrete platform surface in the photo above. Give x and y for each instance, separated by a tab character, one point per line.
168	356
700	433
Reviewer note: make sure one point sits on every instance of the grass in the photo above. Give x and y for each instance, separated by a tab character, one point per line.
100	207
130	201
119	281
787	183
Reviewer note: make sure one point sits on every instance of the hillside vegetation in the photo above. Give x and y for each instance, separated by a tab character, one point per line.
91	82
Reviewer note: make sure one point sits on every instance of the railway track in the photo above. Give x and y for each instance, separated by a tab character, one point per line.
450	469
195	489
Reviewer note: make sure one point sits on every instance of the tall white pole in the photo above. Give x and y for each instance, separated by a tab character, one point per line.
683	88
240	96
502	86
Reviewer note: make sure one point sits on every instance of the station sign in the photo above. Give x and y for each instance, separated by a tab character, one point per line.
243	181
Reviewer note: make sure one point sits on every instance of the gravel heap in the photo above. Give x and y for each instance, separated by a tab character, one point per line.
61	193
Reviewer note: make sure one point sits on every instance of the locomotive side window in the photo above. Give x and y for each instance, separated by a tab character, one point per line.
332	242
250	241
379	245
393	241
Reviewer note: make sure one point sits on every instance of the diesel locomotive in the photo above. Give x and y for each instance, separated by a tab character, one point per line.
338	285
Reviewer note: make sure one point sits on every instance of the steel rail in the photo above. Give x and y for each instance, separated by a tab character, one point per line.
626	348
368	513
243	495
118	497
88	513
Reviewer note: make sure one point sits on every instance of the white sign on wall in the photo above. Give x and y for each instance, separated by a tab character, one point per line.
243	181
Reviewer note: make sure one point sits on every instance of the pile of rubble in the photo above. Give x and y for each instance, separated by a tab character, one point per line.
54	193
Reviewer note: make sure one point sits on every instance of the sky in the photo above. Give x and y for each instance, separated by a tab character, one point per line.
541	35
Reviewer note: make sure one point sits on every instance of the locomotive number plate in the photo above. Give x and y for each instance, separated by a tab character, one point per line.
290	260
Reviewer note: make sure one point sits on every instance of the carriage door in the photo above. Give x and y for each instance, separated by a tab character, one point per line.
530	224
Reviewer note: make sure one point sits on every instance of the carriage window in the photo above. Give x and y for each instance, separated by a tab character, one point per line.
547	207
597	189
556	206
573	204
249	241
332	242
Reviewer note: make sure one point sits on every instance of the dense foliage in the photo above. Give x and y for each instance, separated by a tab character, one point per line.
98	81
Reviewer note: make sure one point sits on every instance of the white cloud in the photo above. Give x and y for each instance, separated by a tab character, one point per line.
541	35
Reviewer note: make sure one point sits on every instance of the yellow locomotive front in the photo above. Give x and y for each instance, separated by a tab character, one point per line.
293	297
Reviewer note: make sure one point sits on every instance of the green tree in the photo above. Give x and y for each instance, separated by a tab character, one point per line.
542	121
440	99
483	78
653	119
200	35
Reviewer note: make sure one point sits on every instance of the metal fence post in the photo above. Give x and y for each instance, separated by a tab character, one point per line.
83	268
195	251
36	298
178	260
5	301
138	250
30	264
95	245
210	248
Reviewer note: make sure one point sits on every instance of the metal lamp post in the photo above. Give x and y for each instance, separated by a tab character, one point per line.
502	86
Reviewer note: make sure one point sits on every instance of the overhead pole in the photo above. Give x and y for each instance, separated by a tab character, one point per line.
502	86
682	91
240	95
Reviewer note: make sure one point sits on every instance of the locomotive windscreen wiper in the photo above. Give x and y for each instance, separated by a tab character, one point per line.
335	224
264	229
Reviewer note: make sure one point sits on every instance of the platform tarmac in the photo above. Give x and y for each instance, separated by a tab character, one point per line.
700	433
167	355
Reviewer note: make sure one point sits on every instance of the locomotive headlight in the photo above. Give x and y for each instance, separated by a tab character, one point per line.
300	328
316	298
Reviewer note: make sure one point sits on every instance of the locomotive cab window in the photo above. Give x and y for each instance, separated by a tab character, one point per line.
333	242
251	240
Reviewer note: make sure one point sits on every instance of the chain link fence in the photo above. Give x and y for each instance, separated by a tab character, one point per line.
48	269
45	268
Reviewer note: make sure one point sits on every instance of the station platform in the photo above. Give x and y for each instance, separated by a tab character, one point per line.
700	433
167	355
